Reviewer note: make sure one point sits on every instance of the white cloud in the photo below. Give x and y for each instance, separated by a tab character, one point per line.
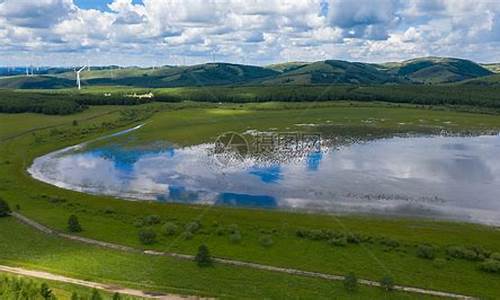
251	31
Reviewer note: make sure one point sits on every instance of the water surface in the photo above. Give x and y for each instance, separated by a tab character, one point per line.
441	177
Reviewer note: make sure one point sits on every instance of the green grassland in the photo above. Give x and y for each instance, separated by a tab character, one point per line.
62	291
119	221
21	246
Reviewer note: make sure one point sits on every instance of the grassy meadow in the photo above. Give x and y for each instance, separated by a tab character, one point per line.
383	246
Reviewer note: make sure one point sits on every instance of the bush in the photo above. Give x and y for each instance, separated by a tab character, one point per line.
147	236
169	229
495	256
186	235
74	224
353	238
439	263
490	266
220	230
4	208
387	283
235	237
266	241
389	242
425	251
193	227
95	295
152	220
339	242
117	296
462	253
203	258
233	228
350	282
46	292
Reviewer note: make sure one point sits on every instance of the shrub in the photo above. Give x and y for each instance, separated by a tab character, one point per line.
46	292
117	296
266	241
350	282
220	230
192	226
152	220
389	242
169	229
387	283
439	263
95	295
203	258
74	224
495	256
353	238
425	251
186	235
233	228
139	222
339	242
147	236
462	253
4	208
235	237
490	266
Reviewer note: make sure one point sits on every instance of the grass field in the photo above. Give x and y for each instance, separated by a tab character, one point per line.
62	291
115	220
21	246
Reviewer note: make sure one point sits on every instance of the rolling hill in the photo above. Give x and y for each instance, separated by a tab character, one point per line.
35	82
436	70
334	72
427	70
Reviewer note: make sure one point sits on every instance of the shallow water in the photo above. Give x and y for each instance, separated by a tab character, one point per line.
441	177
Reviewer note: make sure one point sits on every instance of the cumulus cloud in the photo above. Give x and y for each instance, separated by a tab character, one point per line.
250	31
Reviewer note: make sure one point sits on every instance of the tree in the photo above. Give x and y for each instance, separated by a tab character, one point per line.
4	208
46	292
147	236
75	296
203	258
74	224
117	296
387	283
95	295
169	229
350	282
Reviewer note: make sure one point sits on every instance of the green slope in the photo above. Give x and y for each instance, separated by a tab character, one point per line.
35	82
435	70
334	72
427	70
198	75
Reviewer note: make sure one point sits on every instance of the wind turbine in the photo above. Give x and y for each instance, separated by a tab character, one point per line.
78	82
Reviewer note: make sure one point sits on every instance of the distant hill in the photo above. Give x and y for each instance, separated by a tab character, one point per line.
486	81
288	66
435	70
495	68
35	82
198	75
426	70
334	72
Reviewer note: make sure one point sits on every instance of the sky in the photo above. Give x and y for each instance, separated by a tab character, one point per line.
260	32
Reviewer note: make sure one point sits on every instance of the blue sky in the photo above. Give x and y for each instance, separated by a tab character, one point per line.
157	32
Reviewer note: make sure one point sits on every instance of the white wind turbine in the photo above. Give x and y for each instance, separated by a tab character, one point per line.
78	82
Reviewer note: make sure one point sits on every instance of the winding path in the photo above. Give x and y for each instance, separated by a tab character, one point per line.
94	285
237	263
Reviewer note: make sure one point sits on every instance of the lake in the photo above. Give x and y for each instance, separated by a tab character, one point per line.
441	177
